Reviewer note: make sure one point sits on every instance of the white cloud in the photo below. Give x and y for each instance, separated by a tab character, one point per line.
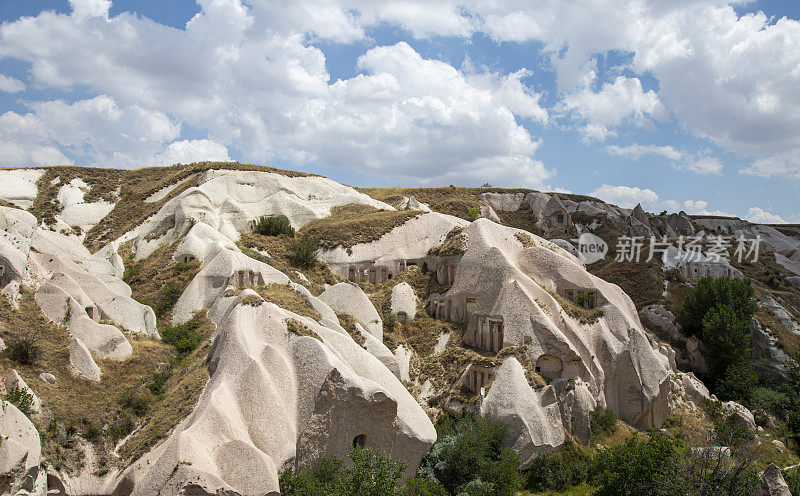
95	131
617	103
775	166
90	8
252	84
704	165
187	152
637	151
9	84
757	215
700	207
625	196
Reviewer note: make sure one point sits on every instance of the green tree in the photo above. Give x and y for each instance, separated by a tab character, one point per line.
711	293
372	474
273	226
302	252
639	467
726	336
468	456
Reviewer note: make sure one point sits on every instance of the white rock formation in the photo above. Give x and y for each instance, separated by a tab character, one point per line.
407	243
228	269
404	301
349	298
278	398
202	242
18	186
230	201
81	360
772	483
532	417
76	212
500	279
577	405
20	454
741	415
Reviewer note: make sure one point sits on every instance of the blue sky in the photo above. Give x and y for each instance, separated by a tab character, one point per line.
681	108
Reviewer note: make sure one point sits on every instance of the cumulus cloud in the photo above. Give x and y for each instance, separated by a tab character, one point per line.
190	151
704	165
637	151
774	166
254	84
11	85
626	196
700	207
757	215
618	102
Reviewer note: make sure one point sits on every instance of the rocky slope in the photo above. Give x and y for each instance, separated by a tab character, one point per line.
415	309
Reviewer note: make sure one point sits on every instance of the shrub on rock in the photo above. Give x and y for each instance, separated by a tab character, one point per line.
270	225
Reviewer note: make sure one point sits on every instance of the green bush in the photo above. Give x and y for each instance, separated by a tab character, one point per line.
726	336
158	386
474	213
185	338
169	297
420	487
23	349
302	252
372	474
639	467
468	457
604	421
560	469
21	399
269	225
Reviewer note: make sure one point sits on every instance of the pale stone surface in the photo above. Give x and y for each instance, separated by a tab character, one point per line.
77	212
577	405
82	362
404	300
18	186
740	415
20	452
613	356
277	398
772	483
203	242
408	242
230	201
349	298
48	378
228	269
532	417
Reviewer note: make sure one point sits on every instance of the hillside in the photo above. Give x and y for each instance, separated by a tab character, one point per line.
200	329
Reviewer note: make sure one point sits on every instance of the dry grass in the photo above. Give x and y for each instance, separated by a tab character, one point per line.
282	295
318	276
158	280
298	328
353	224
584	315
643	281
134	186
186	382
349	323
455	243
524	239
66	420
453	201
786	338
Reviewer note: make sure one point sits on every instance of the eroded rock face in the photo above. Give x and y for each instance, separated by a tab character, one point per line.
532	417
349	298
502	280
279	398
20	452
772	483
404	301
230	201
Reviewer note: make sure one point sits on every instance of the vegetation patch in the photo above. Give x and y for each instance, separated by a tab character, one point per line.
297	328
273	225
642	281
158	280
522	218
318	275
584	315
525	239
283	295
354	224
349	323
455	243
